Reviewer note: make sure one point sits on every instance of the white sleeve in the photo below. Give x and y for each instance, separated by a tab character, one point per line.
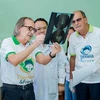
61	67
6	47
35	52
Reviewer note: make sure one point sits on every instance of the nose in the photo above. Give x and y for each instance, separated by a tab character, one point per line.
32	32
42	30
76	22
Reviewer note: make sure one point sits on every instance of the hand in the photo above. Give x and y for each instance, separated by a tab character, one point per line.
61	88
56	48
71	86
39	40
71	75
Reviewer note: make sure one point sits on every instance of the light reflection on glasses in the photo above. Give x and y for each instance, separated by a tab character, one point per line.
77	20
30	28
41	28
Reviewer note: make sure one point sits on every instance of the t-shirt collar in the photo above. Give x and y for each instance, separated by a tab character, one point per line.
90	30
15	40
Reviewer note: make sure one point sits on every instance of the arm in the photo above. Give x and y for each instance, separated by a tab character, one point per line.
72	65
42	59
72	54
15	59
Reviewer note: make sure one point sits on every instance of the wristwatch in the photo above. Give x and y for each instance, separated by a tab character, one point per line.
51	55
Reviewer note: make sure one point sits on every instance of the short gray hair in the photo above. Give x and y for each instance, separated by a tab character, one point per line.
82	13
19	24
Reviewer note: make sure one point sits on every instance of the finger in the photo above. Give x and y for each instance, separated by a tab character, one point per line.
40	37
57	46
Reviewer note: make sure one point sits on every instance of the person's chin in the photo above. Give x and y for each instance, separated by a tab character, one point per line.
28	39
78	29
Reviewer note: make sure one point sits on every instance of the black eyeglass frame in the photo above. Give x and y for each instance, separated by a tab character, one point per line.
30	28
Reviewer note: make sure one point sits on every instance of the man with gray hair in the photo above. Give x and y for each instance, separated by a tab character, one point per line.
18	56
84	48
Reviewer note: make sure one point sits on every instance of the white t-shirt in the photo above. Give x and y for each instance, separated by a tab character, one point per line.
21	74
87	51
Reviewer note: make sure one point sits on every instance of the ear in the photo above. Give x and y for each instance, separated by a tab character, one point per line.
86	21
18	30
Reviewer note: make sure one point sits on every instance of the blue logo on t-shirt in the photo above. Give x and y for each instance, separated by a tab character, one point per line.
86	50
86	56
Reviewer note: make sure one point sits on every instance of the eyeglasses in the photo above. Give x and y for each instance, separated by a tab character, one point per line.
41	28
30	28
77	20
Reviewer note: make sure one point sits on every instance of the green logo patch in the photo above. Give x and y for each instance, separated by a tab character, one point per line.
27	65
